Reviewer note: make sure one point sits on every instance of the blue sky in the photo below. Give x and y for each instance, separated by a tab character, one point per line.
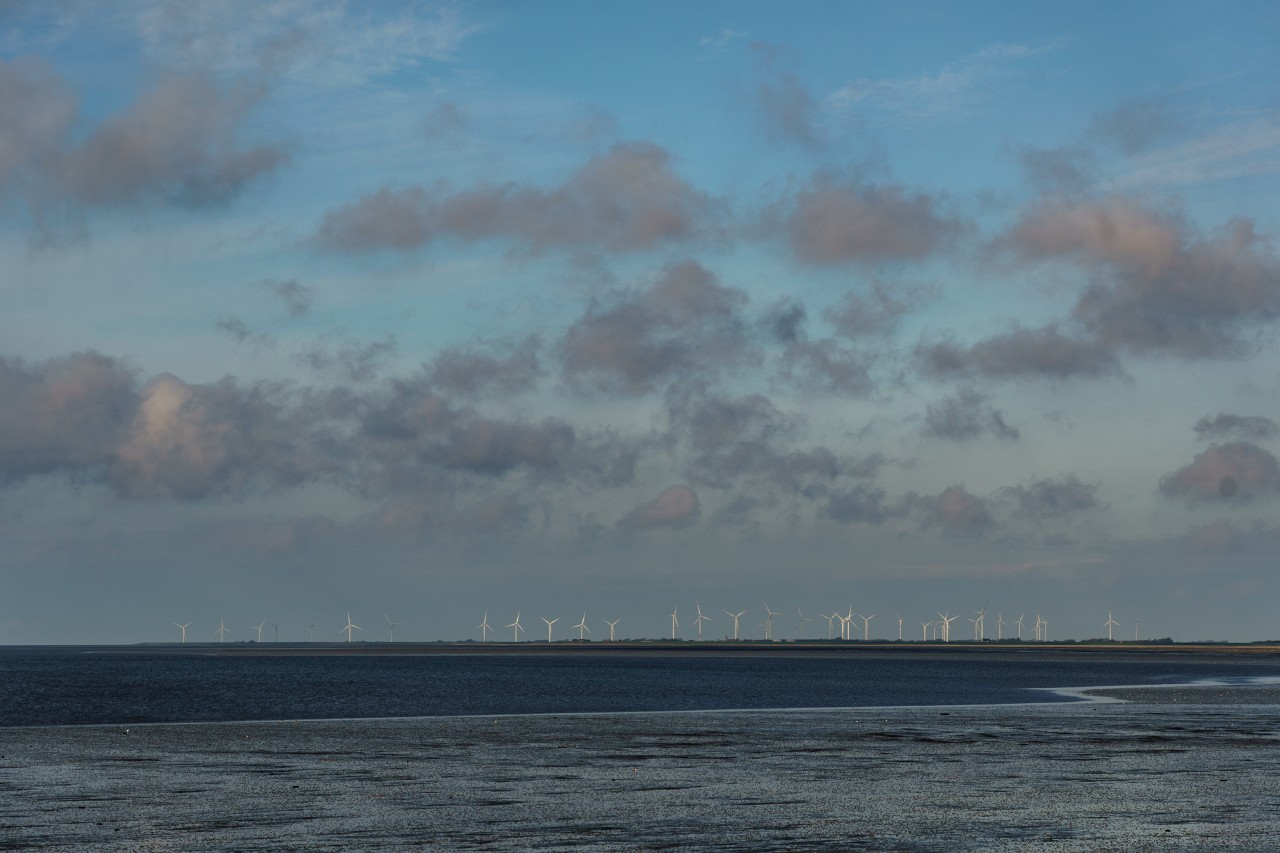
432	309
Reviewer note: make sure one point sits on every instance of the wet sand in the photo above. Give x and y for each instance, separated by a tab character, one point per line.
1159	773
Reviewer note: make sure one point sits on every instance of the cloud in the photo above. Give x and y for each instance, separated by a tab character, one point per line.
1060	171
353	362
877	311
675	507
832	221
1134	126
498	370
1239	472
1243	427
956	511
787	109
966	416
445	121
37	111
1048	498
627	199
1154	285
65	415
1020	354
861	504
684	323
297	298
827	367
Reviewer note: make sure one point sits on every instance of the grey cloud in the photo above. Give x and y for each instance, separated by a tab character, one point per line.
1223	537
65	415
37	111
684	323
1239	472
964	416
443	509
627	199
1154	285
350	361
1048	498
1060	171
1020	354
1134	126
834	221
239	329
1244	427
499	369
445	121
785	321
297	298
676	506
787	109
862	504
827	367
877	311
179	144
955	510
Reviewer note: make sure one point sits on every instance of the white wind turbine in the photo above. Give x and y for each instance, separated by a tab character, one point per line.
924	631
1041	629
946	625
582	626
999	626
518	628
275	631
485	628
549	622
899	627
768	621
831	618
183	627
222	631
846	624
259	627
698	621
675	623
392	626
735	617
612	625
866	625
311	633
1019	624
977	628
350	626
1136	623
1110	625
800	623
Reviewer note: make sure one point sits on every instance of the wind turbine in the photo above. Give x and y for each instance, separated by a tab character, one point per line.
675	623
924	631
392	626
946	625
549	622
899	627
1110	624
1019	624
800	624
350	626
768	621
612	625
1040	627
846	624
1136	623
582	626
999	626
259	627
735	617
485	628
222	631
517	626
866	625
698	622
311	633
831	618
275	628
183	628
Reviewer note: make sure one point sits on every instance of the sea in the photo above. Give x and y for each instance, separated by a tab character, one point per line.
138	749
86	686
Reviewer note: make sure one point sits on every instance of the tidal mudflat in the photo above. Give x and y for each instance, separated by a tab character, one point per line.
1160	773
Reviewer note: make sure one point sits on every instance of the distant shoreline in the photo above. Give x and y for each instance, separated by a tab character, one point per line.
662	648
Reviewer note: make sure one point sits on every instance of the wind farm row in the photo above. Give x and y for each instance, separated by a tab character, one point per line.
777	626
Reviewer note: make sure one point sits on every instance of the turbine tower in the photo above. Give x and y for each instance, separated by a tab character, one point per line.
222	631
259	627
485	628
612	625
866	625
924	631
735	617
549	622
518	628
947	619
392	625
1110	625
675	623
275	631
768	621
350	626
311	633
183	627
698	622
582	626
1019	624
999	626
831	618
899	627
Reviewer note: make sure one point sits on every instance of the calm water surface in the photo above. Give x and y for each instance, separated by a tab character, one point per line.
68	687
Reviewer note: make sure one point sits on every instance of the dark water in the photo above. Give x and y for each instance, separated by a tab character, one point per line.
67	687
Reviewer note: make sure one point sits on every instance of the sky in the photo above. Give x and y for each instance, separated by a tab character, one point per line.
422	311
